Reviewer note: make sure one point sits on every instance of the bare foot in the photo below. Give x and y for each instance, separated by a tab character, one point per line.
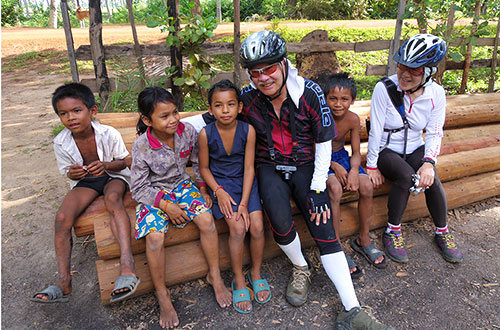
64	285
262	295
168	315
222	294
353	269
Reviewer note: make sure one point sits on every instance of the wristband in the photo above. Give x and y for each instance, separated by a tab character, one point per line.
429	160
244	206
215	191
201	184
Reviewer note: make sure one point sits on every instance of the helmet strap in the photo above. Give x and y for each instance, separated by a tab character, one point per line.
284	74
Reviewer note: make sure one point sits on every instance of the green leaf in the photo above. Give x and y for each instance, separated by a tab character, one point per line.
205	84
152	24
179	81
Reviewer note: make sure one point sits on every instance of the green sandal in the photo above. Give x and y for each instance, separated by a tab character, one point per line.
258	286
239	296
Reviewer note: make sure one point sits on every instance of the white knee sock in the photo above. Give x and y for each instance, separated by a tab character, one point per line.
294	252
337	270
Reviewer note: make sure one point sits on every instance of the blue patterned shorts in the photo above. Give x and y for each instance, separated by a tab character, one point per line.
150	219
342	157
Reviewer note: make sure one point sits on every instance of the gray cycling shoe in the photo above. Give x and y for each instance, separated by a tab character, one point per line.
358	318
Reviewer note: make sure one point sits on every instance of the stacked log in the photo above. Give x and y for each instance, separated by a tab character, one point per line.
468	167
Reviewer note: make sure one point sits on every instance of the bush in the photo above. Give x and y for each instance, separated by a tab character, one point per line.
12	14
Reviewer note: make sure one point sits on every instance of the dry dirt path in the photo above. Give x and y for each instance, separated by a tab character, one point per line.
20	40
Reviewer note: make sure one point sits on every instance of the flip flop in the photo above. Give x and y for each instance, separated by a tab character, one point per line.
239	296
129	282
370	252
258	286
54	293
352	264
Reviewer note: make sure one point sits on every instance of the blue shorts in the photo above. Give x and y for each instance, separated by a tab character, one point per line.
342	157
150	219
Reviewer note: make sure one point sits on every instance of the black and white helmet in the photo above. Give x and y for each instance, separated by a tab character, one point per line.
262	47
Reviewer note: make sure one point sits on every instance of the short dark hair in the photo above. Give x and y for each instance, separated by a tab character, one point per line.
74	91
223	85
340	80
147	101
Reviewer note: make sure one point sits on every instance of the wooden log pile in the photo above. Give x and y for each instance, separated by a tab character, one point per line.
468	167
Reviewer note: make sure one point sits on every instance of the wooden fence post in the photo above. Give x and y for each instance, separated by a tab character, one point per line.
137	46
69	41
449	29
97	51
491	84
395	43
237	44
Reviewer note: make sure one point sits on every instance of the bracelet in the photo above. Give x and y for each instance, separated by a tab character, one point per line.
244	206
428	160
215	191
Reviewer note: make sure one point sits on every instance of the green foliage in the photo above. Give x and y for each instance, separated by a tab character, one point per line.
194	79
128	83
385	9
56	129
209	8
12	14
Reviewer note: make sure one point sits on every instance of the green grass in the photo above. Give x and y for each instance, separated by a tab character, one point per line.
56	129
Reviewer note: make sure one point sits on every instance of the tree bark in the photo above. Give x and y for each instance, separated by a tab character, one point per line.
422	18
219	11
69	41
137	46
176	55
53	14
395	43
237	43
109	11
97	51
196	10
468	55
491	83
449	30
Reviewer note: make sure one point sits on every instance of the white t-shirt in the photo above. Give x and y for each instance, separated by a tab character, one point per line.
110	146
426	111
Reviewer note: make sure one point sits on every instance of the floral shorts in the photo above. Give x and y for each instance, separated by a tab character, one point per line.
150	219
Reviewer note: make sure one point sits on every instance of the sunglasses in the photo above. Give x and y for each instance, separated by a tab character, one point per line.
267	70
412	71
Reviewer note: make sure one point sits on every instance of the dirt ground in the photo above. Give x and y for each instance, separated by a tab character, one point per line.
427	293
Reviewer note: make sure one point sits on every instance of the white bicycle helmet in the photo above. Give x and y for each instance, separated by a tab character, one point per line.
422	50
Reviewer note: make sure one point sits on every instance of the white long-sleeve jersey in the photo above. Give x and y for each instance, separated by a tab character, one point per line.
426	111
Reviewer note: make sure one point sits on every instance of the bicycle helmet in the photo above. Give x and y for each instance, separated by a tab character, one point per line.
422	50
262	47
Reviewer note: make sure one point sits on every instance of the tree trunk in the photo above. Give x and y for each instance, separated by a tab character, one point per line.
422	18
237	43
196	10
176	55
137	46
97	51
109	11
449	30
391	67
219	11
69	41
491	84
468	55
53	14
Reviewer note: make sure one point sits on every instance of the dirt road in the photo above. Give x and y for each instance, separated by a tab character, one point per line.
20	40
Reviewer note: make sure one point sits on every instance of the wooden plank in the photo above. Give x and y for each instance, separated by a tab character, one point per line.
179	269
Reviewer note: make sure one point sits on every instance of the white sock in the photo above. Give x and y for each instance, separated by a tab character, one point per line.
337	270
442	230
391	227
294	252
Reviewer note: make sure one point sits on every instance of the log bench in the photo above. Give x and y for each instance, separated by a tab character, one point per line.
468	166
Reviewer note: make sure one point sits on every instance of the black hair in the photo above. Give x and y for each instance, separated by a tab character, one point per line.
74	91
341	80
147	101
223	85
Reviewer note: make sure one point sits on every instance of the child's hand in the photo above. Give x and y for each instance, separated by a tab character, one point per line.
96	168
76	172
225	202
243	215
340	173
353	180
175	214
208	200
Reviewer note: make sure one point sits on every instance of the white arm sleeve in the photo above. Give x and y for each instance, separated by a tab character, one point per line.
321	165
196	120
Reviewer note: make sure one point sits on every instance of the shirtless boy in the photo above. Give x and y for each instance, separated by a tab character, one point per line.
345	172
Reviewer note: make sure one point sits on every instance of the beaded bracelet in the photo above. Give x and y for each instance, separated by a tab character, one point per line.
215	192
